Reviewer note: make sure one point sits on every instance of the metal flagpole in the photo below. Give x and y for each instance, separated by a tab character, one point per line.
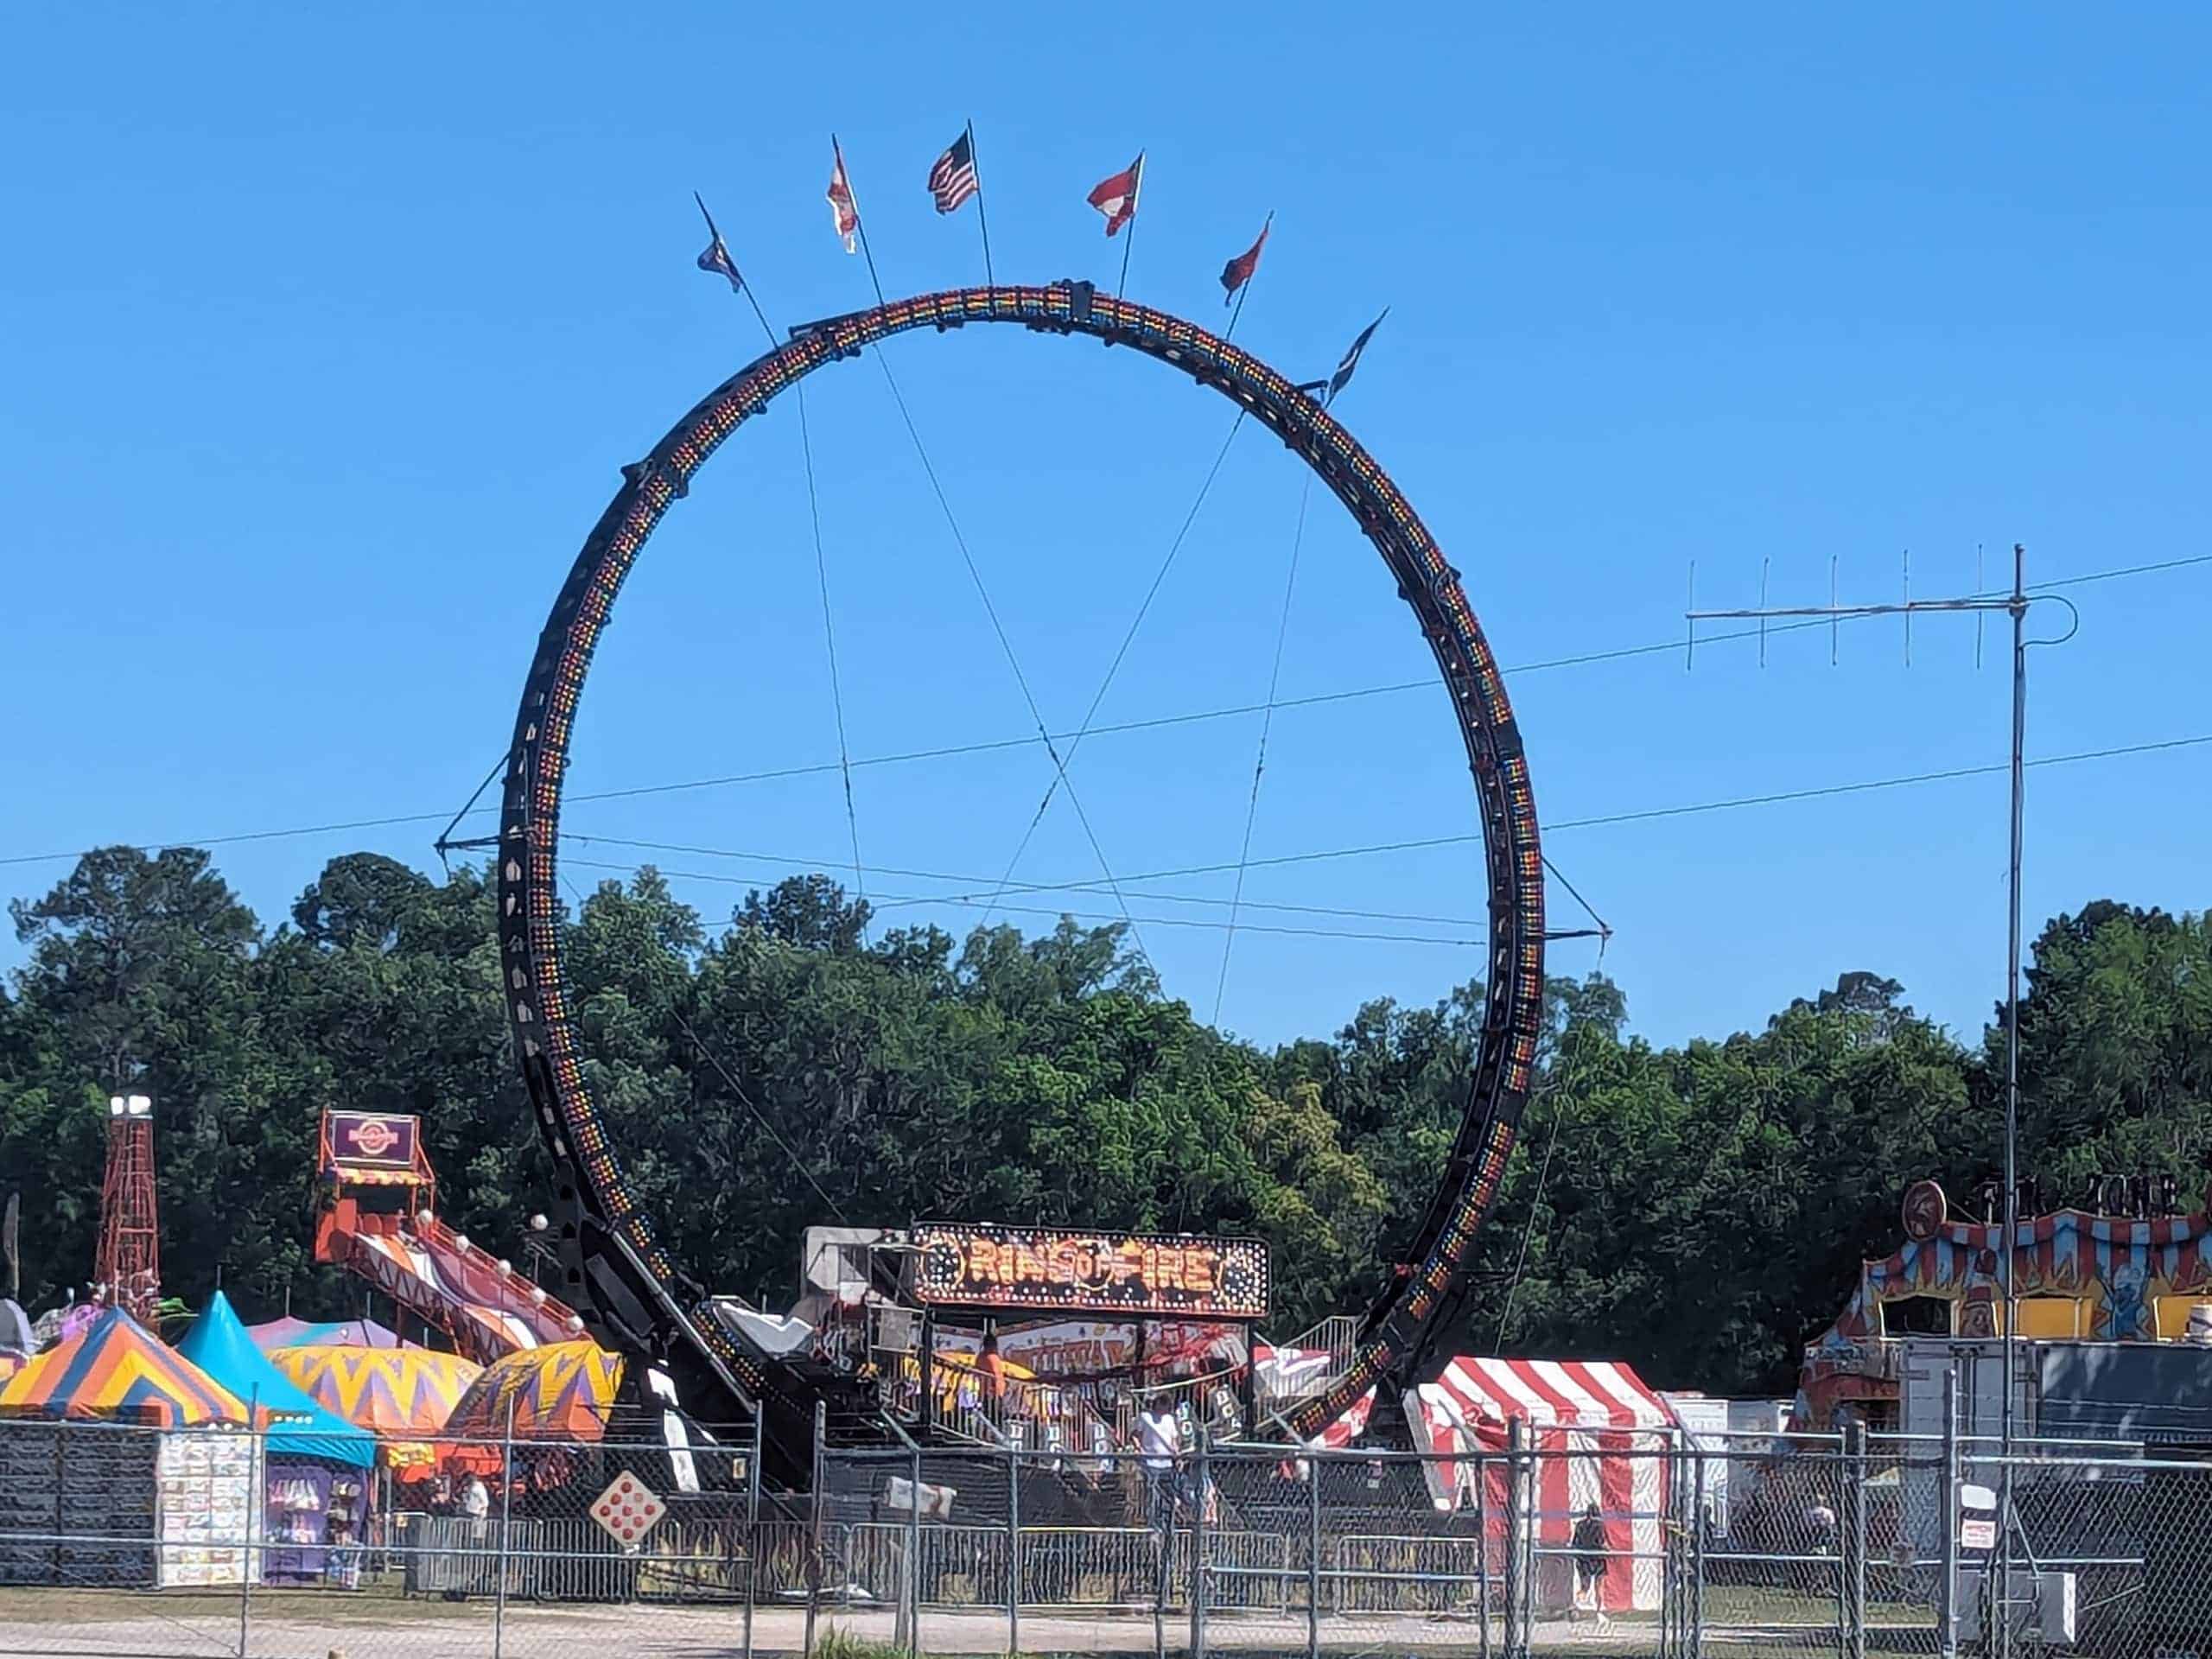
981	219
1245	287
1136	201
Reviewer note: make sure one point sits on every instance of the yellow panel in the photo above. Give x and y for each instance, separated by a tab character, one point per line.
2172	1314
2054	1316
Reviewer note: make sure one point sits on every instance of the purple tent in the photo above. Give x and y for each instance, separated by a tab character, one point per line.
288	1332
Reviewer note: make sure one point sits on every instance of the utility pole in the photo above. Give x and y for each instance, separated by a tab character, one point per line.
2015	604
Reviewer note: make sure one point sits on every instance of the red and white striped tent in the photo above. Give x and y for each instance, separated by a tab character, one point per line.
1592	1416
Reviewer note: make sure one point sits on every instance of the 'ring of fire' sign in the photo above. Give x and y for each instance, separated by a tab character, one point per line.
1179	1275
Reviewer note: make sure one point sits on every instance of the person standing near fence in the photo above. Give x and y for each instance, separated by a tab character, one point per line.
1160	1437
1590	1546
476	1504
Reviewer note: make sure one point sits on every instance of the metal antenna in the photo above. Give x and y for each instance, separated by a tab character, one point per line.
1765	565
2014	604
1689	646
1835	623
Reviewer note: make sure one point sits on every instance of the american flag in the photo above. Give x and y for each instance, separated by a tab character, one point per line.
952	180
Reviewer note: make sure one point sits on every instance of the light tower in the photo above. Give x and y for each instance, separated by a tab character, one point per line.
128	1267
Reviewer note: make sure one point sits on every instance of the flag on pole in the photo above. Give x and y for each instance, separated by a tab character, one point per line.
845	211
1117	197
1238	272
952	180
717	258
1337	381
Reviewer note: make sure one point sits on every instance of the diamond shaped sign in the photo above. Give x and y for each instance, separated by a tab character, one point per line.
627	1510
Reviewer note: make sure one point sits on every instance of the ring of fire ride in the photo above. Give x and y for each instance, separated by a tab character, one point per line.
634	1297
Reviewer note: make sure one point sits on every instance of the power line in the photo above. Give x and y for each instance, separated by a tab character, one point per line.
955	750
1423	843
974	892
974	903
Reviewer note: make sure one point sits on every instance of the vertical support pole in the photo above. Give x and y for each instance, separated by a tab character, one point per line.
752	1523
1312	1557
914	1552
1516	1579
1160	1502
2001	1578
1482	1553
257	1464
506	1528
1856	1624
1012	1547
1697	1558
1200	1588
818	1497
1947	1626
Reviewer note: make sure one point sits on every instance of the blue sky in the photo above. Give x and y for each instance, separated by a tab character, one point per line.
325	333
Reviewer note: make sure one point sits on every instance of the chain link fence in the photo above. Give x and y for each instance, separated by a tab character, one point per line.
120	1540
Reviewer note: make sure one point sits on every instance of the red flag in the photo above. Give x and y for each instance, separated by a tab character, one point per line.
1117	197
843	210
1238	272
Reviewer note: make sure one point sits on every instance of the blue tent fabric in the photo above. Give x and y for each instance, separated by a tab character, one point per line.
218	1346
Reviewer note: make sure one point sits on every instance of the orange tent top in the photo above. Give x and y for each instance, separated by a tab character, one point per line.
559	1392
116	1369
406	1393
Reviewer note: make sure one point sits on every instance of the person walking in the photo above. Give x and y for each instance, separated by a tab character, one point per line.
1591	1547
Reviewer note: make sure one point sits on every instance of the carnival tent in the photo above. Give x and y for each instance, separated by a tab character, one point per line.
1587	1421
288	1332
560	1392
219	1344
115	1369
406	1393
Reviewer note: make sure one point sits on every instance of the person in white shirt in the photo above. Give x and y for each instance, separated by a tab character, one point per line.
1160	1437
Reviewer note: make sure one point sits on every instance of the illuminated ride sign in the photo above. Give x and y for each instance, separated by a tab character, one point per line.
373	1138
1140	1274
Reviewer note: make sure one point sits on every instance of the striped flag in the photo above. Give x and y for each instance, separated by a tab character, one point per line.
1238	272
1117	197
717	258
845	211
952	180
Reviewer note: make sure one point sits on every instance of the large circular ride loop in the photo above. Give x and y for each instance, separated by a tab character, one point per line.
634	1296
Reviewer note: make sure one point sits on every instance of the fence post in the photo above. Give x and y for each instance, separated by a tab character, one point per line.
814	1522
1858	1586
506	1528
257	1464
1160	1504
1312	1557
752	1523
1200	1588
1517	1587
1947	1611
1482	1552
914	1551
1012	1547
1696	1611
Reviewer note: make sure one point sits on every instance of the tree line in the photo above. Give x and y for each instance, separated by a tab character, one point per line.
1697	1210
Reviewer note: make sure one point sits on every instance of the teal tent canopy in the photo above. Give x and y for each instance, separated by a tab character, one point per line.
218	1346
